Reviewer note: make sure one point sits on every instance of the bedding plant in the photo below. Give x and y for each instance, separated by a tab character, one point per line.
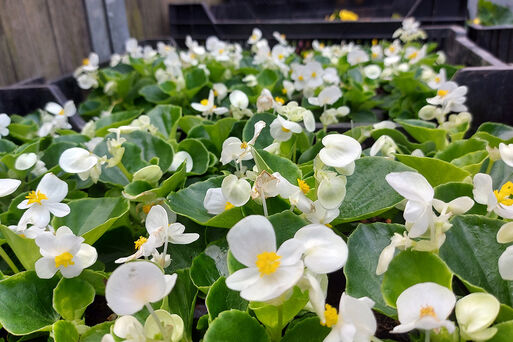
208	197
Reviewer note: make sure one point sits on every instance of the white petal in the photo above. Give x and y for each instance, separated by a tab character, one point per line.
243	278
236	191
128	327
506	264
476	311
54	188
506	152
5	120
178	160
77	160
290	252
358	313
505	233
309	121
332	191
184	239
156	219
25	161
58	209
339	150
411	185
53	108
483	188
87	255
45	268
214	201
8	186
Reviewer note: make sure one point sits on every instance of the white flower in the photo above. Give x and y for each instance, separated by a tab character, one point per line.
68	110
414	55
330	116
25	161
280	38
376	52
505	233
5	121
265	101
88	81
385	145
475	313
282	129
220	91
288	88
498	201
387	254
327	96
339	150
178	160
506	264
429	112
357	56
425	306
450	97
82	162
415	188
234	149
438	80
409	31
270	272
45	200
8	186
319	214
331	190
372	71
393	50
324	251
63	252
215	203
354	322
131	286
58	120
256	35
506	153
314	73
207	106
239	99
384	124
250	80
236	191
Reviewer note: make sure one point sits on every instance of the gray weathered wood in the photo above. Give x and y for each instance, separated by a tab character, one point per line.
98	28
118	26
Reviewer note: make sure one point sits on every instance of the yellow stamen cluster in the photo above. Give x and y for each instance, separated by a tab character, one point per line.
374	55
427	310
85	61
391	48
476	21
139	242
303	186
61	112
279	100
413	55
215	92
300	77
267	263
437	79
244	145
35	197
321	45
284	91
286	130
64	259
228	206
331	316
146	208
204	102
314	74
280	56
504	194
374	42
442	92
221	51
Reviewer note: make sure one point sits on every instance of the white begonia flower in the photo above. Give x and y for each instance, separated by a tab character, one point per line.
385	145
357	56
25	161
506	153
281	38
58	119
372	71
498	201
324	251
457	206
82	162
128	328
425	306
331	190
239	99
450	97
354	321
416	189
385	124
314	74
5	121
319	214
409	31
438	80
300	76
8	186
207	107
330	76
294	112
414	55
339	150
164	49
330	116
215	203
87	81
89	64
250	80
134	285
236	191
63	252
327	96
393	49
429	112
475	313
234	149
387	254
178	160
68	110
220	91
376	52
505	233
279	54
265	101
506	264
45	200
270	272
288	88
256	35
282	129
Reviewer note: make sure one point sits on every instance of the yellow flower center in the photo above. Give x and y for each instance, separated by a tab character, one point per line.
283	36
85	61
328	225
284	91
286	130
427	310
300	77
61	112
321	45
221	51
215	92
228	206
244	145
314	74
374	55
442	92
65	259
374	42
503	195
253	37
267	263
303	186
34	197
331	316
279	100
391	48
204	102
413	55
139	242
280	56
146	208
193	56
437	79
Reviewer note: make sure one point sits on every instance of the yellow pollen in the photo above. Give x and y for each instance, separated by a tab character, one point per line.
253	37
413	55
267	263
34	197
204	102
321	45
167	48
61	112
284	91
303	186
139	242
442	92
286	130
300	77
374	42
283	36
331	316
214	107
374	55
215	92
328	225
221	51
427	310
280	56
146	208
65	259
392	48
314	74
504	194
476	21
437	79
244	145
228	206
193	55
85	61
279	99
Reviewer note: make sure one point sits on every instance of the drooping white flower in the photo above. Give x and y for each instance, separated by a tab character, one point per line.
270	271
450	97
178	160
498	201
239	99
319	214
384	124
438	80
425	306
58	119
207	107
372	71
327	96
63	252
330	116
256	35
82	162
409	31
281	38
331	190
25	161
314	74
475	313
387	254
45	200
339	150
131	286
293	112
506	153
8	186
215	203
237	191
385	145
5	121
414	55
234	149
357	56
282	129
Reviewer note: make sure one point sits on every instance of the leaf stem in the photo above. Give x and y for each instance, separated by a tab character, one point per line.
8	260
490	164
264	204
127	174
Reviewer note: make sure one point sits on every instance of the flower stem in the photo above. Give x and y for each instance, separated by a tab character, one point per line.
157	320
427	338
127	174
164	253
276	331
264	204
490	164
8	260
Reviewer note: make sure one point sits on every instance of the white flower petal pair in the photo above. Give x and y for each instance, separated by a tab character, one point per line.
497	201
282	129
475	313
8	186
236	190
5	121
82	162
339	150
327	96
178	160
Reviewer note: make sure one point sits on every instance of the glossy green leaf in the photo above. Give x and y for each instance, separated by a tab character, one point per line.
152	93
504	332
165	118
227	328
499	130
64	331
459	148
95	333
306	330
422	132
219	131
436	171
267	78
92	217
71	297
199	154
220	298
204	272
285	225
264	139
25	249
115	120
26	303
274	163
195	79
411	267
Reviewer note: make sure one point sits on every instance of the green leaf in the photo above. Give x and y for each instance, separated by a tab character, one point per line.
274	163
264	139
64	331
235	326
71	297
26	303
220	298
204	272
152	93
188	122
472	252
365	246
195	79
219	131
368	180
115	120
25	249
411	267
436	171
269	314
151	147
504	332
6	146
172	183
267	78
165	118
449	191
199	154
418	129
401	140
306	330
95	333
460	148
499	130
286	224
182	301
92	217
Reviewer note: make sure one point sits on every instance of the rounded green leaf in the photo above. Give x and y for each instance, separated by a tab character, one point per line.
436	171
25	249
204	272
152	93
165	118
306	330
235	326
95	333
115	120
424	131
64	331
199	154
71	297
264	139
504	332
220	298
